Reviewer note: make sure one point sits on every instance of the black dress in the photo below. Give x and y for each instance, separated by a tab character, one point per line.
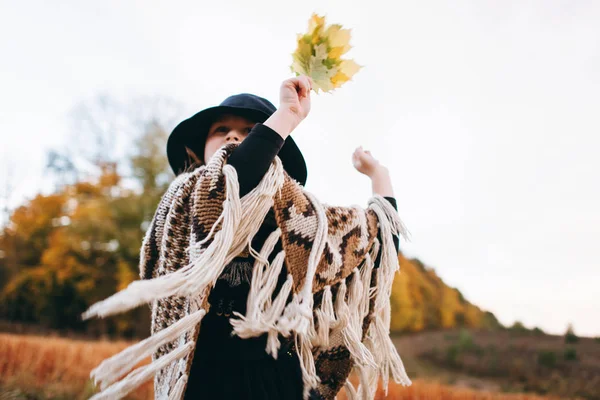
224	365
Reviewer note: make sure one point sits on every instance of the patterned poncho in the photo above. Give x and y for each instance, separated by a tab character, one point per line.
334	305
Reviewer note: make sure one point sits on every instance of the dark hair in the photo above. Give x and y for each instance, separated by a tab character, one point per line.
193	161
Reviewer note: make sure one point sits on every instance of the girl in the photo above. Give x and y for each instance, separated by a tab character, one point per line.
226	366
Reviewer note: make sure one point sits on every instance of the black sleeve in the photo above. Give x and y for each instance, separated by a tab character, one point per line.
392	201
252	158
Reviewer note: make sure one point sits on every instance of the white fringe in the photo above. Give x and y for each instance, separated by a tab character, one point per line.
255	206
253	323
307	364
114	367
326	318
350	391
298	314
389	360
366	273
386	356
273	314
378	356
367	387
190	279
207	263
389	258
142	374
204	269
341	306
391	215
178	389
263	313
240	220
352	331
277	317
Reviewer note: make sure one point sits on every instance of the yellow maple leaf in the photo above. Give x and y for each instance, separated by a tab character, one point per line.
335	52
319	55
338	37
339	78
346	71
349	67
302	56
316	24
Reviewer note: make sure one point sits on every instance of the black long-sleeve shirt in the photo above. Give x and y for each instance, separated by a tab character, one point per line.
226	366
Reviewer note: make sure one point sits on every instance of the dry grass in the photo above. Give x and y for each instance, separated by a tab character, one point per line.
59	368
55	367
425	390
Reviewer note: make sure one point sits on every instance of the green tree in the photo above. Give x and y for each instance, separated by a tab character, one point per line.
518	327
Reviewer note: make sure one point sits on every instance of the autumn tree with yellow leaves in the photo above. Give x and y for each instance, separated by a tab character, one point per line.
66	250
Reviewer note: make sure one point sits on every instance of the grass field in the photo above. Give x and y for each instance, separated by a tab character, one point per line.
506	361
36	367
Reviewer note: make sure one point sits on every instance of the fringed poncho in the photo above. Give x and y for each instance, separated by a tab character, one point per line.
201	225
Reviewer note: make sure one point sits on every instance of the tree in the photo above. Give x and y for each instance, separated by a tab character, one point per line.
105	131
570	336
8	179
81	243
420	301
518	327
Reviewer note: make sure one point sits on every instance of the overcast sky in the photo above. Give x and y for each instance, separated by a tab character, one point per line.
487	113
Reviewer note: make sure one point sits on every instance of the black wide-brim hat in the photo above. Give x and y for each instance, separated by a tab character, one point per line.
192	133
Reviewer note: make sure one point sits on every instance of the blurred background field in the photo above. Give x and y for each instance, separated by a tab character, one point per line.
36	367
504	363
484	112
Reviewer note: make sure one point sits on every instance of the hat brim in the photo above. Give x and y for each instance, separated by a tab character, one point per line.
192	133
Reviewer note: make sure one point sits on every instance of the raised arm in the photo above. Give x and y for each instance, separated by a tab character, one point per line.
255	154
381	182
252	158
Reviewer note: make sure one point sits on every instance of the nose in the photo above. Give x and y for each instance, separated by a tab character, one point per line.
233	136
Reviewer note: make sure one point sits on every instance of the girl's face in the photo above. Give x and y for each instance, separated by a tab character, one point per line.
227	129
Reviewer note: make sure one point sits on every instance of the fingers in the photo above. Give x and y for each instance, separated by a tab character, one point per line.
355	160
360	150
364	156
308	82
302	84
364	162
305	84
